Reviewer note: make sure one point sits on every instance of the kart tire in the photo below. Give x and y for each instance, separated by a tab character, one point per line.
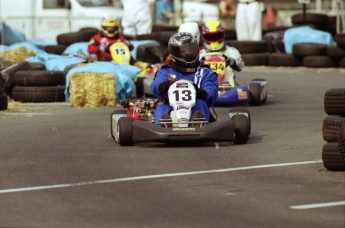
331	157
125	131
332	127
334	102
3	102
111	120
241	110
241	129
55	49
335	52
139	87
255	92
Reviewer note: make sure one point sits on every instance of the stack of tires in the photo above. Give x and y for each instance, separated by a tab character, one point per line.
39	86
333	130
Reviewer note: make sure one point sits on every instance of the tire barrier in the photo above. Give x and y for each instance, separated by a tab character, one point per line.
333	130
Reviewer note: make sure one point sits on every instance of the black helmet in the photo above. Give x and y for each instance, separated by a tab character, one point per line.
184	51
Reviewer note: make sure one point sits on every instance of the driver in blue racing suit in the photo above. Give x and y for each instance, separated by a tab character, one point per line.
184	51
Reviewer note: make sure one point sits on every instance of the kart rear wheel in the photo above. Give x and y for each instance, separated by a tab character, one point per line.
241	129
255	92
111	120
125	131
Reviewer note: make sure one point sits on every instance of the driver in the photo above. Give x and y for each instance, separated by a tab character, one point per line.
184	51
213	37
99	43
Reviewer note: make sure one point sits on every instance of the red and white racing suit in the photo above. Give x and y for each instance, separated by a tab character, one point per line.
99	45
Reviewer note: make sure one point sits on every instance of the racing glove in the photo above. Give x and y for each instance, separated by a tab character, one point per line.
102	48
200	93
231	62
164	87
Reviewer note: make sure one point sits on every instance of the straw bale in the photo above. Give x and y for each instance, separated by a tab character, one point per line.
90	89
17	55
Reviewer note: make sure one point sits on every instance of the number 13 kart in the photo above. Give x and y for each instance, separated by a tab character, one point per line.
136	123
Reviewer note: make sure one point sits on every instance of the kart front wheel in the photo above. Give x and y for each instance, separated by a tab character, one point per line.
124	131
241	129
255	92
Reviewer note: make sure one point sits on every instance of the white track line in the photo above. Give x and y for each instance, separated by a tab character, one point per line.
318	205
153	177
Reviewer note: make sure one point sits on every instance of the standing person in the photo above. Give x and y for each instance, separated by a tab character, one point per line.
249	20
99	43
137	17
213	36
184	51
227	13
165	11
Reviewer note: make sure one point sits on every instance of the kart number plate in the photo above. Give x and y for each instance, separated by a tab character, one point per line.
218	67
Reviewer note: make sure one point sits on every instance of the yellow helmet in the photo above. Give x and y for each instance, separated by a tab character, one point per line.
110	26
213	35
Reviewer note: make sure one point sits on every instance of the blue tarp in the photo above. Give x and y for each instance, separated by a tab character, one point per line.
305	34
11	35
124	77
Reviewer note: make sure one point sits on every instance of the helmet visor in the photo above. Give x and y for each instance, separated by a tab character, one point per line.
110	29
213	37
186	52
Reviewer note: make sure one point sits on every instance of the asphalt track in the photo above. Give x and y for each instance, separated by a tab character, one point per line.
60	168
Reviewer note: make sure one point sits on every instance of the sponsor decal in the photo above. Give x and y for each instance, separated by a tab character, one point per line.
182	129
242	95
181	85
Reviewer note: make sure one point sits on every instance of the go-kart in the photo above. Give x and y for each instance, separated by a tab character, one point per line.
231	92
136	123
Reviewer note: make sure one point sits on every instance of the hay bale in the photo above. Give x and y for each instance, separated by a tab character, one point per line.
90	89
17	55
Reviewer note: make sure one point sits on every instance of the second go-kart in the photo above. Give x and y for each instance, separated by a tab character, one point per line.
231	92
136	123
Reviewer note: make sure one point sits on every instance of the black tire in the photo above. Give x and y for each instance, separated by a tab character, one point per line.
340	40
309	49
139	87
255	92
319	61
310	18
255	59
241	129
10	72
125	129
334	101
3	102
331	157
281	59
39	78
341	142
243	110
342	63
39	94
37	66
111	120
335	52
332	127
55	49
74	37
248	46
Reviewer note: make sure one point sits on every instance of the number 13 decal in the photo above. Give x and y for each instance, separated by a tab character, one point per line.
184	95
